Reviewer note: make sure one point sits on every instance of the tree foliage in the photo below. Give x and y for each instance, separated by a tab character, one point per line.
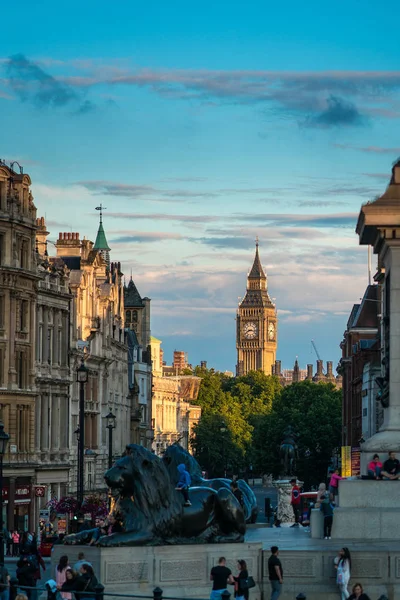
243	420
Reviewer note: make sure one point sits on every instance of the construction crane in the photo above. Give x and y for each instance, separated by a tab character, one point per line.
317	353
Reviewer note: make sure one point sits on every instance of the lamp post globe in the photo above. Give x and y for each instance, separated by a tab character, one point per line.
111	422
82	376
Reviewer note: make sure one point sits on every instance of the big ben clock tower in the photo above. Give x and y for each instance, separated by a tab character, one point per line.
256	325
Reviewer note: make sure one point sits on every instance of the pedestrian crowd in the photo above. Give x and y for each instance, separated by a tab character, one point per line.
342	564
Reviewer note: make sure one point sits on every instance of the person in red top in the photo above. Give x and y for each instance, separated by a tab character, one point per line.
295	502
375	467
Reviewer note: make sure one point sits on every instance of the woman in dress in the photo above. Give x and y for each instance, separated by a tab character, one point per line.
343	570
61	576
358	593
240	592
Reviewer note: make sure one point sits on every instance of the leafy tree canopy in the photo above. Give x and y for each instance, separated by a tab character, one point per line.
243	420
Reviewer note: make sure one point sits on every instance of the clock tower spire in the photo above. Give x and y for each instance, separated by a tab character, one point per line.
256	324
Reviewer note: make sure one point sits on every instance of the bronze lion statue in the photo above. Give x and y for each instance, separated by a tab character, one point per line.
175	455
151	511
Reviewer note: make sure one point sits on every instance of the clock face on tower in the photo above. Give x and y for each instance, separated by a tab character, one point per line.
250	330
271	331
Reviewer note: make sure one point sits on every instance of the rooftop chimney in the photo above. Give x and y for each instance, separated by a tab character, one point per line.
68	244
278	366
309	372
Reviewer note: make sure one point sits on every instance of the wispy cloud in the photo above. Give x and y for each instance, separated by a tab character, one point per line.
145	237
32	84
320	203
370	149
261	219
315	99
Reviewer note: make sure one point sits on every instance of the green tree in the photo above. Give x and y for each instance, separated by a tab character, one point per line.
314	412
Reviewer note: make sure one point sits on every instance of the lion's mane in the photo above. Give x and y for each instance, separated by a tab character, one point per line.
148	498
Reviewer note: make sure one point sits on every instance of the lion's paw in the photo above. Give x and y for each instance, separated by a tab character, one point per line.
106	540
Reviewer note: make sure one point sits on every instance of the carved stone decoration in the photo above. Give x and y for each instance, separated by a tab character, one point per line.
150	511
121	572
176	570
285	510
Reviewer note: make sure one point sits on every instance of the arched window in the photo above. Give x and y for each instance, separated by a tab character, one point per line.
128	316
134	316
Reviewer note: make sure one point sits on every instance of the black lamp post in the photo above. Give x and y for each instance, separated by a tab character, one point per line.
110	418
82	375
4	437
223	430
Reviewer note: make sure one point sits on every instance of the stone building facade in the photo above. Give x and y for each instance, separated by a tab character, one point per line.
359	366
137	323
173	404
97	336
53	374
18	293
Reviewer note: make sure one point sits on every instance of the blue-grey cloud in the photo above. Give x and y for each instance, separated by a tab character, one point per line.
370	149
338	113
32	84
146	237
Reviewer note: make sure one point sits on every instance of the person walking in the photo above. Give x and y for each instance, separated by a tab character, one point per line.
275	573
241	593
375	467
26	575
15	540
220	576
61	575
184	483
295	502
4	583
358	593
87	582
81	561
327	511
343	571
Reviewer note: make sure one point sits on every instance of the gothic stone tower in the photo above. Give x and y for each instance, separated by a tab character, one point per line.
256	325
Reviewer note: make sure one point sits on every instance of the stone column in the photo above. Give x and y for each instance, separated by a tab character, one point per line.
388	438
45	422
45	336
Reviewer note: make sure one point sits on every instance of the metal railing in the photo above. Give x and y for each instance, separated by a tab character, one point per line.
99	593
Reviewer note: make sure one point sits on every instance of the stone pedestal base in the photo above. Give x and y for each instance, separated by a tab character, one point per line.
369	509
180	571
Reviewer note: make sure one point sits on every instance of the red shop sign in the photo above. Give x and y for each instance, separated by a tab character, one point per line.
40	491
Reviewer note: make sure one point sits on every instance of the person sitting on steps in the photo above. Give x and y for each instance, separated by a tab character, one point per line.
391	467
375	467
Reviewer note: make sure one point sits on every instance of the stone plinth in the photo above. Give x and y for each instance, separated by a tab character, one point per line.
379	226
180	571
285	510
369	510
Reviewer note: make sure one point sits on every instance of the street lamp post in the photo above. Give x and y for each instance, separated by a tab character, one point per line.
4	437
110	418
223	431
82	374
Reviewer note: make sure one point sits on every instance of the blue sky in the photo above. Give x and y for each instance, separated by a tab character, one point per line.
200	126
